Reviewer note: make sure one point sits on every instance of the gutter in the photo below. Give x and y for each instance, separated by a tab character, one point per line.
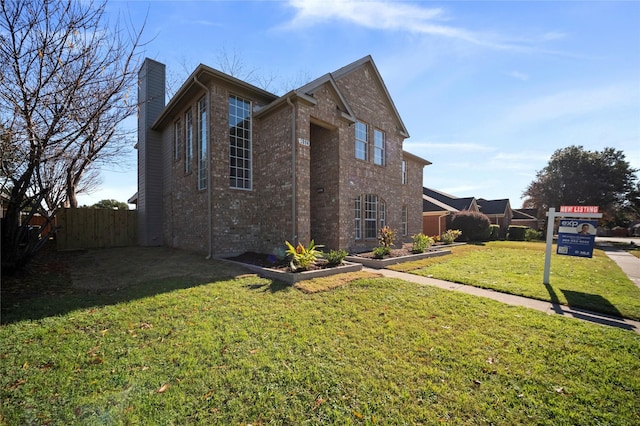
294	216
209	189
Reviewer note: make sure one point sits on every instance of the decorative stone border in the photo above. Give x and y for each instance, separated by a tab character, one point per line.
294	277
383	263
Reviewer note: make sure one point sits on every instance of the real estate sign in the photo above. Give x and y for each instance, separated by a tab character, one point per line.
576	237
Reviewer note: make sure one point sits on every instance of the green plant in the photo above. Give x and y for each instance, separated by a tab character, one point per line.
473	225
386	237
516	233
421	243
450	236
335	257
532	235
494	232
381	251
303	257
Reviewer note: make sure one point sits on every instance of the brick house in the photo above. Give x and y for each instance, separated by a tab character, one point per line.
438	207
226	167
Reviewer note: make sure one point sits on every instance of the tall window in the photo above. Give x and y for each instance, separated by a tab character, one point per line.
202	143
177	139
362	141
378	147
374	212
239	143
188	141
358	218
405	220
404	172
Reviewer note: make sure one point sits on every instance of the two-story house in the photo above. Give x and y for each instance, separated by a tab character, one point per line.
226	167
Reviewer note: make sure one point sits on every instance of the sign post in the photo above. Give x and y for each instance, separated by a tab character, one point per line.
575	237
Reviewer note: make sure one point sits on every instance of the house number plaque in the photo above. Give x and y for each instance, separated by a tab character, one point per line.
304	142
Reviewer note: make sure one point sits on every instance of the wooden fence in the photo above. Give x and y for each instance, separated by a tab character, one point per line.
95	228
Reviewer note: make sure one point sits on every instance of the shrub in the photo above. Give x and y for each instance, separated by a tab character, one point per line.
303	257
381	251
516	233
532	235
474	225
335	257
421	243
386	237
494	232
450	236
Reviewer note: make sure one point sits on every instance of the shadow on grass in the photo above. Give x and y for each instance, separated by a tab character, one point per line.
587	307
593	302
272	286
47	288
65	299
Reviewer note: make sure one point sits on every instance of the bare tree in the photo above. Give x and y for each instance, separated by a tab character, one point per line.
67	79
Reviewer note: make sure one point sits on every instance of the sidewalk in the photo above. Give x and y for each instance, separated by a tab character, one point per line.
629	264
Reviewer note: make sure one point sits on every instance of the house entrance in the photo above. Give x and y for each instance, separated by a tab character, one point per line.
324	185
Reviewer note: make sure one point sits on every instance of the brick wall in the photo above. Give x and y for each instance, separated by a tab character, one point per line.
327	175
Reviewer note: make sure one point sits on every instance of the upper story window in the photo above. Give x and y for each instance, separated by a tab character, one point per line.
202	143
404	172
362	141
177	139
188	141
240	150
378	147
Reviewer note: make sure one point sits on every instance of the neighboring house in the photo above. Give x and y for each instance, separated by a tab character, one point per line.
226	167
437	206
499	213
526	217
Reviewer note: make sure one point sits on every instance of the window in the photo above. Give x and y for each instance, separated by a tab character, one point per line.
358	218
374	213
188	141
239	143
177	136
404	172
405	221
378	147
202	143
362	141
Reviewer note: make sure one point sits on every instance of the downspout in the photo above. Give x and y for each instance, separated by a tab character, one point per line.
294	218
209	189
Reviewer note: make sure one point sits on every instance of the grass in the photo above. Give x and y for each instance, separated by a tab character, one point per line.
595	284
228	347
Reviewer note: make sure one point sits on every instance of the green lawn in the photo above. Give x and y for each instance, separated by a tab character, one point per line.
241	349
596	284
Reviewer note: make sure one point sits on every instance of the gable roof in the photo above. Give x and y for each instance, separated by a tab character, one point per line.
493	207
452	201
368	60
525	214
432	205
193	85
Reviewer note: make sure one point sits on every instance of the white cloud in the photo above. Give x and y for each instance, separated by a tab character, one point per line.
572	103
457	146
518	75
407	17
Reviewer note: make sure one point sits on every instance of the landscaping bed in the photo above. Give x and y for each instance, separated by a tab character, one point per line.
271	266
398	255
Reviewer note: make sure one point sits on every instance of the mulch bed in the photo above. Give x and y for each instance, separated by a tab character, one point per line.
273	262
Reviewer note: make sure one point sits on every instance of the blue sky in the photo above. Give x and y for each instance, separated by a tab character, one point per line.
487	90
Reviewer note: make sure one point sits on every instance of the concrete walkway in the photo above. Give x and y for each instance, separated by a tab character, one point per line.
627	262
